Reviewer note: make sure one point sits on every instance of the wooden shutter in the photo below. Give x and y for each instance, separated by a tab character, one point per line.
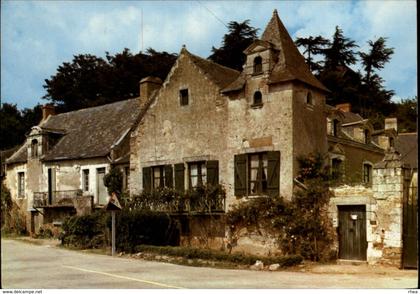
212	172
179	177
240	174
169	180
147	179
273	180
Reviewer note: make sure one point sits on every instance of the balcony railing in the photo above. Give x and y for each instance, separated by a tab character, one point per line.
56	198
195	202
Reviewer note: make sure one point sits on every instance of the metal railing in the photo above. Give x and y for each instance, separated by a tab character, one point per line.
56	198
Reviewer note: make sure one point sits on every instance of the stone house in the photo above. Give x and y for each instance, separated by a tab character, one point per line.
243	130
59	169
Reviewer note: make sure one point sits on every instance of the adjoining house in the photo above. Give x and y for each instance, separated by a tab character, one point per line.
59	170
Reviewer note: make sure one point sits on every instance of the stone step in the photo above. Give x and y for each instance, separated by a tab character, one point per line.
351	262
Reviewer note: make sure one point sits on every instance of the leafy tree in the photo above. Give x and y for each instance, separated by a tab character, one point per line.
313	46
113	181
376	58
91	81
340	53
15	123
406	113
239	37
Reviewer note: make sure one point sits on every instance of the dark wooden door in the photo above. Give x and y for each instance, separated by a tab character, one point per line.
410	225
352	232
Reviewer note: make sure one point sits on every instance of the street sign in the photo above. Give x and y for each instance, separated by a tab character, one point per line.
113	205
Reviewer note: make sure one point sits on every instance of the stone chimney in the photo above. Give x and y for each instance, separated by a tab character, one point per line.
47	110
148	85
391	123
344	107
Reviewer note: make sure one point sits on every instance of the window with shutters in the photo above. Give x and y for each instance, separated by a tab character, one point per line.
257	65
157	177
336	168
257	174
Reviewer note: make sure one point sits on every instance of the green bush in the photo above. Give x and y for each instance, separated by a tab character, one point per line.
13	219
113	181
238	258
135	227
49	231
86	231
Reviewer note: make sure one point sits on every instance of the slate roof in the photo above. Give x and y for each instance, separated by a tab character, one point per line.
89	132
351	117
219	74
294	66
20	156
406	145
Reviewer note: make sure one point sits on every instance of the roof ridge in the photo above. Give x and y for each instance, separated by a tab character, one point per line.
97	106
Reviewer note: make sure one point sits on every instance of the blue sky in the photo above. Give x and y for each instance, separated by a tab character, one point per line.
37	37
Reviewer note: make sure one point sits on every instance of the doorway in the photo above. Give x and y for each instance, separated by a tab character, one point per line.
101	191
352	232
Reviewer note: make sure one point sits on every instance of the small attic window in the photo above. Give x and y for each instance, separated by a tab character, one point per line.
257	65
334	129
183	97
309	99
34	148
257	100
391	142
367	136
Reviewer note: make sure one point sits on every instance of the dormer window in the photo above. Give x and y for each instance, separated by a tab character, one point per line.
257	65
334	128
34	148
257	100
309	99
367	136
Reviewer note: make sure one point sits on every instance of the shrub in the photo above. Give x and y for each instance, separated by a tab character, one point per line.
113	181
13	219
135	227
86	231
238	258
49	231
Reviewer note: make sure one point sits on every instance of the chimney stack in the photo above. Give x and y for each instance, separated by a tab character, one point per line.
148	85
344	107
47	110
391	123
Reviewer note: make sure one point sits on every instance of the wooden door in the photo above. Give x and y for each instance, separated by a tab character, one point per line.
352	232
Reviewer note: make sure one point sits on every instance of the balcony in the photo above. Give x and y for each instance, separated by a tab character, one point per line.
56	198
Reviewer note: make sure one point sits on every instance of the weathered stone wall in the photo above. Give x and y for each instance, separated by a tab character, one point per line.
170	133
384	210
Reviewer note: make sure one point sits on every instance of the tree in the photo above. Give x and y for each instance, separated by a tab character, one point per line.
313	46
376	58
239	37
406	113
340	52
91	81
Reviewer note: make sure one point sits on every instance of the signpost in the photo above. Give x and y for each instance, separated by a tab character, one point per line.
113	205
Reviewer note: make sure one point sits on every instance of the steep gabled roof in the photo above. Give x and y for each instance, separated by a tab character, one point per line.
219	74
91	132
86	133
293	66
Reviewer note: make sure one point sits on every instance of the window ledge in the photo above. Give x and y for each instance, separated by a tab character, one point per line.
259	105
254	74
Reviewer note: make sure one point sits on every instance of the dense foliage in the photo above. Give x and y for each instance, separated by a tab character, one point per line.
206	254
13	219
113	181
91	81
15	123
239	37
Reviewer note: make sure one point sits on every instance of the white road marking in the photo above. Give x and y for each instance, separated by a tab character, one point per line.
122	277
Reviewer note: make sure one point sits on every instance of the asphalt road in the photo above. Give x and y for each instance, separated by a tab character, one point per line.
44	267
